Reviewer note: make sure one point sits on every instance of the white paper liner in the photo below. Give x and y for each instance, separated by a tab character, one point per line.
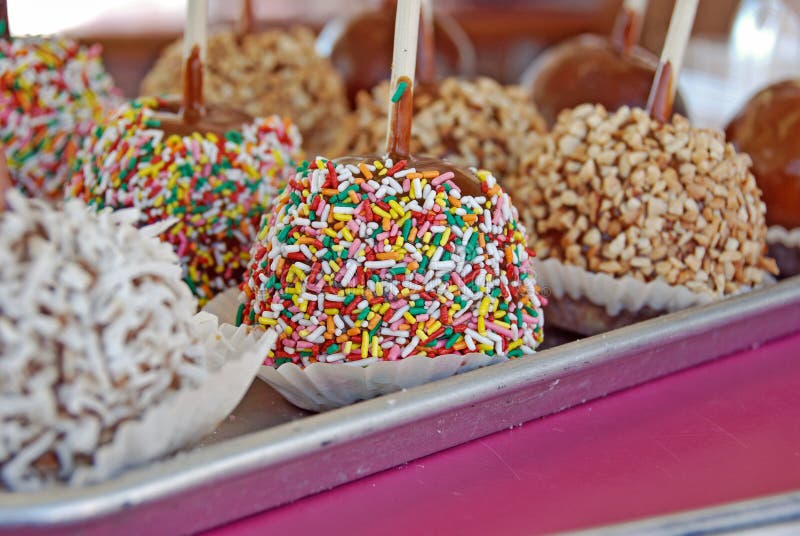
615	294
324	386
785	237
234	356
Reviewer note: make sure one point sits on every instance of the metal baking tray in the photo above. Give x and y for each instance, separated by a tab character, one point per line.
773	514
269	453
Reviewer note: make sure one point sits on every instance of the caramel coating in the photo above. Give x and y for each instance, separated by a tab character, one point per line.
362	52
623	194
469	123
588	69
272	72
768	129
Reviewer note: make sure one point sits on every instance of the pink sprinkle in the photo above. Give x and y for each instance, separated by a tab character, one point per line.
505	332
394	353
443	177
183	243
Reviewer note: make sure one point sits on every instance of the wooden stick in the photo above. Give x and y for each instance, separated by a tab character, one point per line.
5	28
404	62
665	82
628	25
194	55
5	179
427	56
246	18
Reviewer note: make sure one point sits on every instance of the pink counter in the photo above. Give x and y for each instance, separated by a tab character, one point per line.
720	432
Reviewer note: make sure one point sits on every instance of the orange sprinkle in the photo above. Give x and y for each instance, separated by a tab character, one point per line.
353	197
509	255
430	174
389	255
414	176
365	171
329	192
412	266
353	332
481	240
453	201
469	218
374	322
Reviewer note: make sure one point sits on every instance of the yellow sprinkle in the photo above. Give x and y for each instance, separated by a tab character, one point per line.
267	321
348	346
375	347
342	217
396	206
409	317
380	212
347	234
485	347
436	325
331	311
481	325
364	344
445	237
379	288
515	344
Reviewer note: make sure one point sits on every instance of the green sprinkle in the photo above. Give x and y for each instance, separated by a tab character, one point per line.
239	314
401	88
234	136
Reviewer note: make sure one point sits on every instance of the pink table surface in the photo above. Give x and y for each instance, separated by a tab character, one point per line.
724	431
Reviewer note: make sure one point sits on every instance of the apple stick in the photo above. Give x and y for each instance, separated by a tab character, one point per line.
404	61
628	25
246	18
5	179
427	56
194	55
665	82
5	29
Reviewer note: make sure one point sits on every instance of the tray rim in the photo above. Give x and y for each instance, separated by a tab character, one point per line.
270	448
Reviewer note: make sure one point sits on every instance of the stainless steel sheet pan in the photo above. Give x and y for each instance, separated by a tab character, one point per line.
269	453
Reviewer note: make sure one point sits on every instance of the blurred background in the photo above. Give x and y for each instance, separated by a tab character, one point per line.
738	46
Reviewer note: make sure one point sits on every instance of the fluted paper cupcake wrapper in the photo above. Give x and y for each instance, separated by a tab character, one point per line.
324	386
615	294
785	237
234	356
